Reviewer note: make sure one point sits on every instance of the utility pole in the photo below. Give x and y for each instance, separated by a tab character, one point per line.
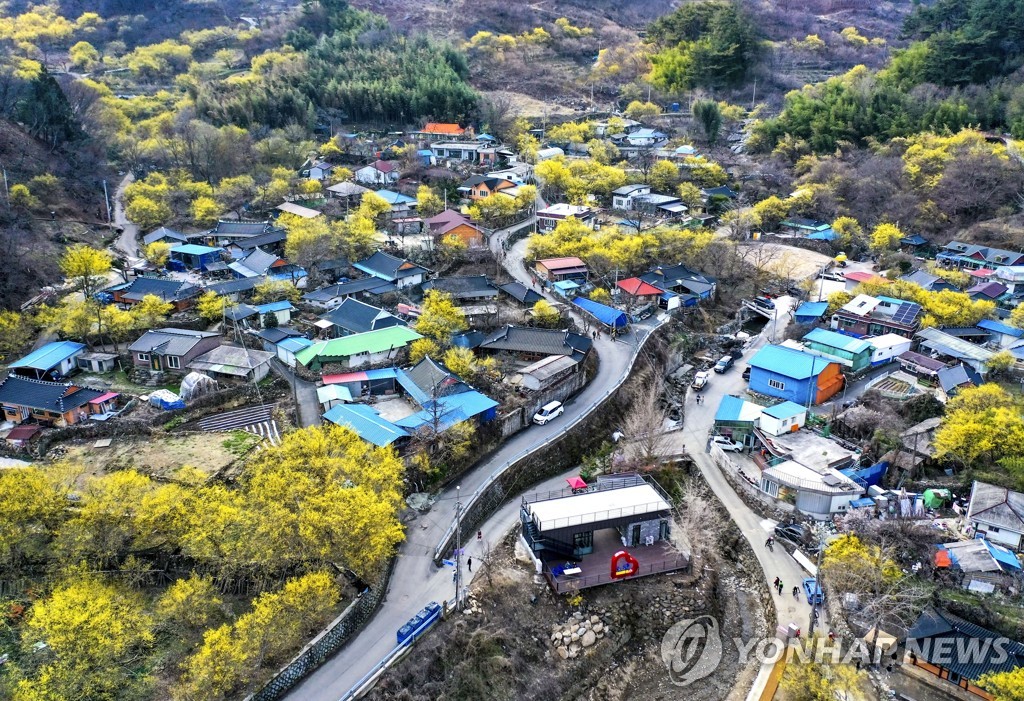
106	196
7	192
458	549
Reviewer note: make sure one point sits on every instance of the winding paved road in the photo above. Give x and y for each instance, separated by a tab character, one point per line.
416	580
127	242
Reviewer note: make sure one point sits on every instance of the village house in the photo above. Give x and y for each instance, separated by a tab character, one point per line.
532	344
997	513
623	197
1002	334
171	350
271	242
384	266
235	290
636	293
191	256
181	294
378	173
808	228
680	280
356	350
51	403
936	637
464	288
259	263
298	210
331	296
785	373
348	192
352	316
316	170
458	151
434	131
452	223
888	347
233	363
945	345
865	315
557	269
969	256
52	361
549	217
229	231
521	293
646	138
854	353
401	205
165	235
929	282
810	312
479	187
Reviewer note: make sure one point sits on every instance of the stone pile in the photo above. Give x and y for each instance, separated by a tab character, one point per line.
578	633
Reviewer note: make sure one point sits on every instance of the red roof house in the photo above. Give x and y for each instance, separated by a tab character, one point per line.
635	287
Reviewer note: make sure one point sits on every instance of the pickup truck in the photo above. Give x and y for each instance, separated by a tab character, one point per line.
700	380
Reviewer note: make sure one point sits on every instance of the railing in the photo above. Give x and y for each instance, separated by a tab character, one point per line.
574	583
605	515
370	678
449	534
599	486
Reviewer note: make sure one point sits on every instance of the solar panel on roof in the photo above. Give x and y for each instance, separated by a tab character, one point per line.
906	313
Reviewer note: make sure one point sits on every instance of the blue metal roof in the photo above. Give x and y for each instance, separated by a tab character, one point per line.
838	340
784	410
274	307
812	309
863	502
729	408
990	325
295	344
366	422
454	409
48	356
789	362
825	235
394	198
609	316
195	249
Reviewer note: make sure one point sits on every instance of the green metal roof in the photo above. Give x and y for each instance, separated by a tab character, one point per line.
369	342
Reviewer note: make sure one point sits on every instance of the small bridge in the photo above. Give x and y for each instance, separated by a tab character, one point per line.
758	309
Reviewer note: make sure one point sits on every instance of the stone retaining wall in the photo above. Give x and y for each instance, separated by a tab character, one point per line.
327	643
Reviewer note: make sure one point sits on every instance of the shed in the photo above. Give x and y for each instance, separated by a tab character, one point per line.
331	395
888	347
233	362
196	257
51	361
547	371
783	418
561	268
852	352
607	316
810	312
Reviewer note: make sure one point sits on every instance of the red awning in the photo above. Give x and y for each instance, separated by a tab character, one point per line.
576	482
103	398
942	559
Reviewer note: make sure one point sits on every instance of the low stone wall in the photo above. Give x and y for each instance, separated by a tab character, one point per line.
327	643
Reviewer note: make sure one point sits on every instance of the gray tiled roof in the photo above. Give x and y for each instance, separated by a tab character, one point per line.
358	317
240	228
232	286
461	287
936	624
259	261
47	396
167	290
522	293
373	285
169	341
164	233
524	339
999	506
388	266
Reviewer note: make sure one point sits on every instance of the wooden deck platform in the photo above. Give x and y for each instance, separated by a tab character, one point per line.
596	567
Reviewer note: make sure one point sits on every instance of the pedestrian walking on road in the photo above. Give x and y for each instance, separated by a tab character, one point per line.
469	564
479	536
776	583
781	587
455	576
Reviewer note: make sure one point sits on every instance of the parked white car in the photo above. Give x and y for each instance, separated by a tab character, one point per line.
727	444
549	411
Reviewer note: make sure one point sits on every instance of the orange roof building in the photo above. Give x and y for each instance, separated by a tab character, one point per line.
443	129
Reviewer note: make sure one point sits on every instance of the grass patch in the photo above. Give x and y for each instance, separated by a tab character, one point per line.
238	443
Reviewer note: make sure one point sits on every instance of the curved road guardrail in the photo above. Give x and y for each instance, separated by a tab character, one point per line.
449	534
